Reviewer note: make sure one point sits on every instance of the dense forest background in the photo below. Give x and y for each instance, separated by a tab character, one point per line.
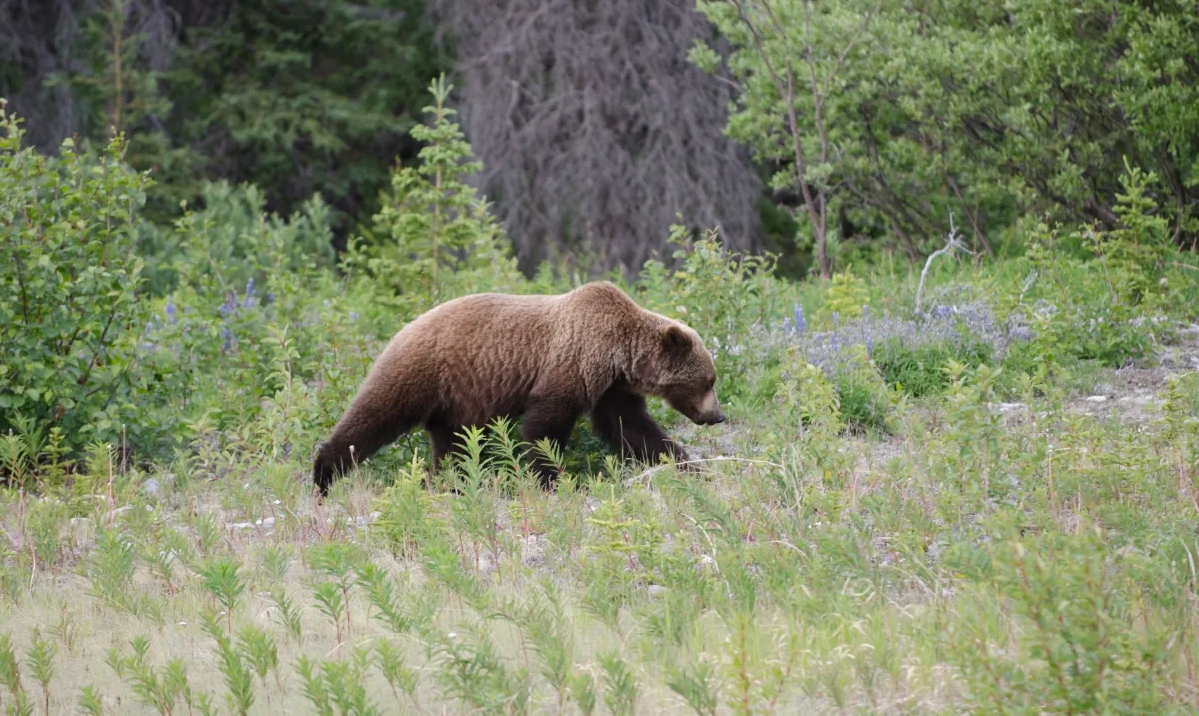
821	131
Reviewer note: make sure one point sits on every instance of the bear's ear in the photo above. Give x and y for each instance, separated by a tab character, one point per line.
675	339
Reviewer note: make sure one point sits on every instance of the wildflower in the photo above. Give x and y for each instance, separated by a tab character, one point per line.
800	323
170	310
836	319
247	300
353	315
870	346
230	304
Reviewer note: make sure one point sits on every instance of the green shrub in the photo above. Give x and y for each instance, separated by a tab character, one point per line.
70	314
862	395
255	312
221	243
806	396
720	295
852	395
845	298
1087	641
920	370
1108	306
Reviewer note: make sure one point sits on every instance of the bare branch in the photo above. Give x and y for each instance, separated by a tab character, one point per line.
815	205
953	242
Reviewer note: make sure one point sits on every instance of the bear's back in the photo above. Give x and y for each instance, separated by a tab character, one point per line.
482	355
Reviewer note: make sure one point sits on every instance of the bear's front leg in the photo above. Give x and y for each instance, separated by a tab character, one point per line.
551	419
621	419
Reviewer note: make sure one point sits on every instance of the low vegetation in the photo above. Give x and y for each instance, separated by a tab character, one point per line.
987	505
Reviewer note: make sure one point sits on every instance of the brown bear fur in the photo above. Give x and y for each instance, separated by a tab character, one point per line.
550	358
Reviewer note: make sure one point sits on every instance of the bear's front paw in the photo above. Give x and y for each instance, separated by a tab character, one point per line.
682	459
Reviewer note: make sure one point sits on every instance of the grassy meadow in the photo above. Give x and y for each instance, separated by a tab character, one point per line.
987	505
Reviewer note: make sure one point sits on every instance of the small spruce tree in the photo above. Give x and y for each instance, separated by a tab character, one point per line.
434	235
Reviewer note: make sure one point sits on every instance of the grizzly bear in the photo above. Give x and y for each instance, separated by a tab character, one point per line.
548	358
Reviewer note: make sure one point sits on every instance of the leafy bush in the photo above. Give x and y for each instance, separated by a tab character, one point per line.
920	371
909	110
915	361
255	314
1076	600
212	244
70	314
806	395
719	294
1107	305
848	393
863	399
910	355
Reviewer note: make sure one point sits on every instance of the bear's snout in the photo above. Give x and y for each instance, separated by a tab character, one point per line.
709	412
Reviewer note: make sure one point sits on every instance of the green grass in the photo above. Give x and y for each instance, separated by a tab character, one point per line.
910	530
970	561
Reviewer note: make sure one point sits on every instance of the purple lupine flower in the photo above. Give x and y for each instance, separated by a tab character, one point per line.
170	310
230	304
968	323
800	324
786	326
836	319
247	300
353	315
226	338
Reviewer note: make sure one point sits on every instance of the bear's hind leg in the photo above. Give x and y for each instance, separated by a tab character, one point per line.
366	427
621	420
548	419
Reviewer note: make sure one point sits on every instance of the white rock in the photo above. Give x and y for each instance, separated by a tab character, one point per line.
267	522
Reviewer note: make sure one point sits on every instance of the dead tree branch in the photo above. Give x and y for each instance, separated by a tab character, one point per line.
953	242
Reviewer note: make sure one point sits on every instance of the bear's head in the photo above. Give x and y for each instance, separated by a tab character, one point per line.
678	368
